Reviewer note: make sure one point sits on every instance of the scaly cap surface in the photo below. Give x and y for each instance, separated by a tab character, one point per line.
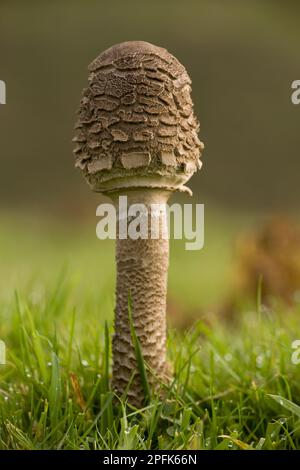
136	126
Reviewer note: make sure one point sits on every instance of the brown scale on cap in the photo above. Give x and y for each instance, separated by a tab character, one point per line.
136	126
137	137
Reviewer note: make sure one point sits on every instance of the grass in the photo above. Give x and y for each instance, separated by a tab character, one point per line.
235	387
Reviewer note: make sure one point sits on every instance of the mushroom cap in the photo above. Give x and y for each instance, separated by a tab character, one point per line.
136	126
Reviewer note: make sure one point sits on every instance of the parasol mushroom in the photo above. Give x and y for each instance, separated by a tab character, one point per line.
136	136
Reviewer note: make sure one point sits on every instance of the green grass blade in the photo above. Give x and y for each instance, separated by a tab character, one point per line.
55	391
71	339
287	404
106	356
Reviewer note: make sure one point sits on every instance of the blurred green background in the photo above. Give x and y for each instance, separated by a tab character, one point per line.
242	58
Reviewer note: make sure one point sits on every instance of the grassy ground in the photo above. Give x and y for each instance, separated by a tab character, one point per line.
235	387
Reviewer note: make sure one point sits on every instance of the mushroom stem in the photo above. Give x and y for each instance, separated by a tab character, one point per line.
142	269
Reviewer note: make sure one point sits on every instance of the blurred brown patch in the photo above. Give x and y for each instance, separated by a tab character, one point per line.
78	394
178	316
271	253
181	317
